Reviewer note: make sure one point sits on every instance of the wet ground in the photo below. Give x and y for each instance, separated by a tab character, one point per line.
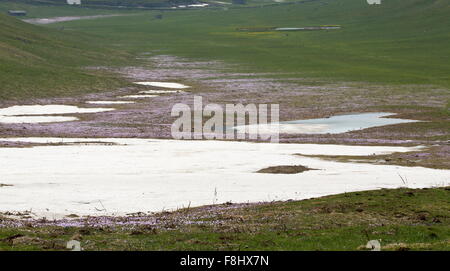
148	116
299	99
65	19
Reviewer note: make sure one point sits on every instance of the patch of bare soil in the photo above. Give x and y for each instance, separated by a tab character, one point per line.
433	157
285	169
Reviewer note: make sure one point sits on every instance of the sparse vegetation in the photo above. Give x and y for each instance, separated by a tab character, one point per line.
403	219
433	157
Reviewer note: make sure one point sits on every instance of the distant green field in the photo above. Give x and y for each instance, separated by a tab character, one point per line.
398	42
159	3
112	3
41	11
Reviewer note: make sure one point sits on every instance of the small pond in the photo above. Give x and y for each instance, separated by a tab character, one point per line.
332	125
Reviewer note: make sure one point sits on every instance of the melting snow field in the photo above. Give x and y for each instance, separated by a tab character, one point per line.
160	91
41	113
163	84
48	110
35	119
153	175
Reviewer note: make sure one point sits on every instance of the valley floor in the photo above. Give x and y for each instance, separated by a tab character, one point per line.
137	115
402	219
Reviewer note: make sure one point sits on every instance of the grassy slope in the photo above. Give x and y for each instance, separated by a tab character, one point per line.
397	42
404	219
400	41
40	62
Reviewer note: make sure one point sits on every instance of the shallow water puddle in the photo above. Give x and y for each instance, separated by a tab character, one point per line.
135	175
163	84
41	113
332	125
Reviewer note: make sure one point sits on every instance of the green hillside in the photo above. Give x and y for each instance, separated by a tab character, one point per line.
38	62
400	41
